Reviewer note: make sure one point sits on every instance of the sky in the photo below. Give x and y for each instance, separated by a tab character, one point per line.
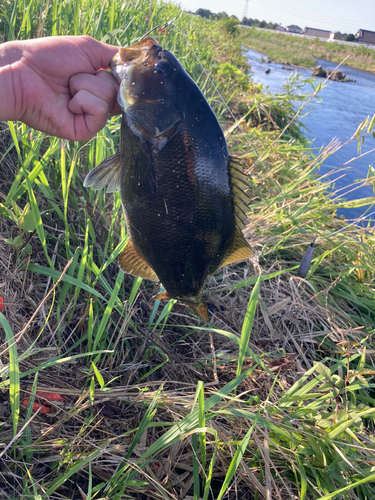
336	15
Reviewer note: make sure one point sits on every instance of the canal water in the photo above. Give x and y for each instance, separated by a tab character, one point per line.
337	114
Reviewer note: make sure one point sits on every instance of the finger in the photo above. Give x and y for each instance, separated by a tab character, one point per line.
102	85
116	110
99	54
91	114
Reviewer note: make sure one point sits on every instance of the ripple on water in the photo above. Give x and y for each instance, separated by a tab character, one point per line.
344	106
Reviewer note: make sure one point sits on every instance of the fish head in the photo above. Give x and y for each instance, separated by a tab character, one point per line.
148	92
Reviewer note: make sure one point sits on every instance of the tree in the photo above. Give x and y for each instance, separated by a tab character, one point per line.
350	37
229	25
204	13
247	21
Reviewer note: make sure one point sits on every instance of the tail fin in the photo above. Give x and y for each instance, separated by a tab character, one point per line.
200	310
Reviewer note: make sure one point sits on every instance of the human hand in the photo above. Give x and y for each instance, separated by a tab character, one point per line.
57	85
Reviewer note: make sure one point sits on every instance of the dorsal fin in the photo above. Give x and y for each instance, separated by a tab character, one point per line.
239	250
239	186
132	263
107	173
236	170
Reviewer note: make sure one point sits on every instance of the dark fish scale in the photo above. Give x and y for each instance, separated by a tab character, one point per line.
185	245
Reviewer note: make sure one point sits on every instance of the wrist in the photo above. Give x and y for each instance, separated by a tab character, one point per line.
10	55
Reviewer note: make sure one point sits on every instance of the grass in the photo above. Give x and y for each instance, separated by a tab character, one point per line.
299	51
273	399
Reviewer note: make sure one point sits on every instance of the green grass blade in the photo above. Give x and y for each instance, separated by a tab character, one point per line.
80	464
108	309
133	293
189	422
201	422
32	200
146	420
369	479
236	460
98	375
14	373
207	484
36	268
248	324
303	478
196	475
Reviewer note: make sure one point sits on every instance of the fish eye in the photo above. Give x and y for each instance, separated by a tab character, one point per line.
162	66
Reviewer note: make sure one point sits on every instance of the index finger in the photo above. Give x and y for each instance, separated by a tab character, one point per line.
100	54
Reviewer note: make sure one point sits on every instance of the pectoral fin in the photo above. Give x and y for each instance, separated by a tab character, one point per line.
132	263
239	250
107	173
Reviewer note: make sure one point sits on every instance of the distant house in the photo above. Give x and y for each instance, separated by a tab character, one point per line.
293	28
316	32
281	29
365	36
336	35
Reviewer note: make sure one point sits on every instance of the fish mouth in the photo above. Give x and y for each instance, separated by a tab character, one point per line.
146	52
138	100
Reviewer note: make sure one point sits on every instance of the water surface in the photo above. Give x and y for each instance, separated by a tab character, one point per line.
342	108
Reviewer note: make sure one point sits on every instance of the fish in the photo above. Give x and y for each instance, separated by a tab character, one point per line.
184	197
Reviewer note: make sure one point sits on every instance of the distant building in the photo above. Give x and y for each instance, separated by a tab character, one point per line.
293	28
281	29
365	36
316	32
336	35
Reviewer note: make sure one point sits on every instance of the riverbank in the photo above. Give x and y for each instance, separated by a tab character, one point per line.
302	52
273	399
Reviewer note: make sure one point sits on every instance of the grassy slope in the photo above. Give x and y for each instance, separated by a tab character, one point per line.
274	398
302	51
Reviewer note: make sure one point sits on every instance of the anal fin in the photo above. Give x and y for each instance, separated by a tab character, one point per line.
239	250
107	173
132	263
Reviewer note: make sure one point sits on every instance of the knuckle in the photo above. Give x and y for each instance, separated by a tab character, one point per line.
103	108
87	38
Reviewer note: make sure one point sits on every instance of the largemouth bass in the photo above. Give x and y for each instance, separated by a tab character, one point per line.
183	195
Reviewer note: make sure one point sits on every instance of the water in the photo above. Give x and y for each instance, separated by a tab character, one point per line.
342	108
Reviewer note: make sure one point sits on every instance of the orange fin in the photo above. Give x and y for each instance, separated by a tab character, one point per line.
132	263
161	296
200	310
107	173
240	250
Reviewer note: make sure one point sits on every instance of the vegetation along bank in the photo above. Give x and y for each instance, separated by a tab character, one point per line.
288	49
105	394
